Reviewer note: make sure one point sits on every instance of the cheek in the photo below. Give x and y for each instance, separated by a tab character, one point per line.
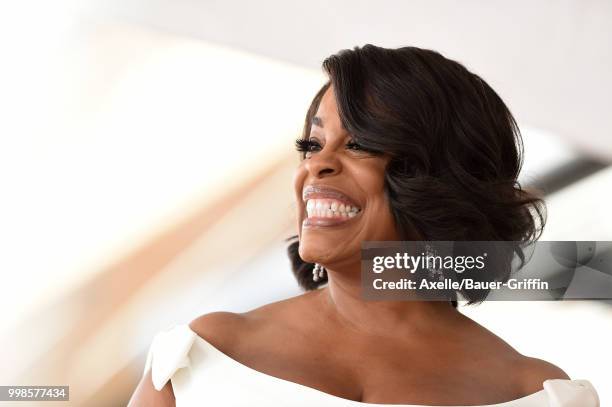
379	222
299	177
371	180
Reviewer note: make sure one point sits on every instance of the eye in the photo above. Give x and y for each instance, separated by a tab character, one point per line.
306	146
351	145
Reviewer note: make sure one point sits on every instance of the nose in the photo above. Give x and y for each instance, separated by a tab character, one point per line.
323	163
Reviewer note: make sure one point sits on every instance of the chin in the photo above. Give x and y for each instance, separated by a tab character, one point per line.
308	253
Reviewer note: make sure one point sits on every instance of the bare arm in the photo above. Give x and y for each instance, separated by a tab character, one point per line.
146	395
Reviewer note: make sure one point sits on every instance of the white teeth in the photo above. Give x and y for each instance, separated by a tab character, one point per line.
330	208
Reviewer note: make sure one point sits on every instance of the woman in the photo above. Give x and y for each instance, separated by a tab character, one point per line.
400	144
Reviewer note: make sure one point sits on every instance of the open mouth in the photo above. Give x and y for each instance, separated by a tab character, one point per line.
330	208
329	212
327	206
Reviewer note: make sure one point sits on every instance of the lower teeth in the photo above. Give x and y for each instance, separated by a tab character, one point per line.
335	215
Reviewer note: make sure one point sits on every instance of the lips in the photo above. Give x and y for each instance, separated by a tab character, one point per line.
328	206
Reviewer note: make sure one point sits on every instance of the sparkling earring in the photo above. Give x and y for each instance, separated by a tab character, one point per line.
433	272
318	272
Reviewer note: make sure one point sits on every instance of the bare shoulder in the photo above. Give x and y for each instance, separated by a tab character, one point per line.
535	371
220	327
530	372
228	330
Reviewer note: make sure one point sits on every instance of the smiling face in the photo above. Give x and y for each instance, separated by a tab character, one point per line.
339	191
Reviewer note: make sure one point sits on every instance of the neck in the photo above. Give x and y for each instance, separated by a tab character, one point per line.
342	297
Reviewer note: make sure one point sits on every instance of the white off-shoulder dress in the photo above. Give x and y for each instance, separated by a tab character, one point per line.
204	376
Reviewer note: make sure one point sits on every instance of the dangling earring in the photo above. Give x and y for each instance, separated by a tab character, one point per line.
318	272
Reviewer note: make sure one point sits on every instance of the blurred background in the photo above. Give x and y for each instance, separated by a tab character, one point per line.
146	157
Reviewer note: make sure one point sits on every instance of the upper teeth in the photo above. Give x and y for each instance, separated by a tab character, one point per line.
329	208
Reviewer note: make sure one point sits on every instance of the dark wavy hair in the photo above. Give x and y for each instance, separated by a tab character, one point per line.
456	151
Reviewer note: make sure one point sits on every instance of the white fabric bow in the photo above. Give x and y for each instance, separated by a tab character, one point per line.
571	393
169	352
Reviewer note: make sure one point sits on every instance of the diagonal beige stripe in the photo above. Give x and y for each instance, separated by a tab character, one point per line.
94	304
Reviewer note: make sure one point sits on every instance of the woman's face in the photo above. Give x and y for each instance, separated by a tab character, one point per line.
339	190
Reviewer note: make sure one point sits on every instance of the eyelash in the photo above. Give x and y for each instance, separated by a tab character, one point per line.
306	145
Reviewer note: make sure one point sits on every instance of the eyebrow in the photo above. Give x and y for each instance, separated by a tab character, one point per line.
317	121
